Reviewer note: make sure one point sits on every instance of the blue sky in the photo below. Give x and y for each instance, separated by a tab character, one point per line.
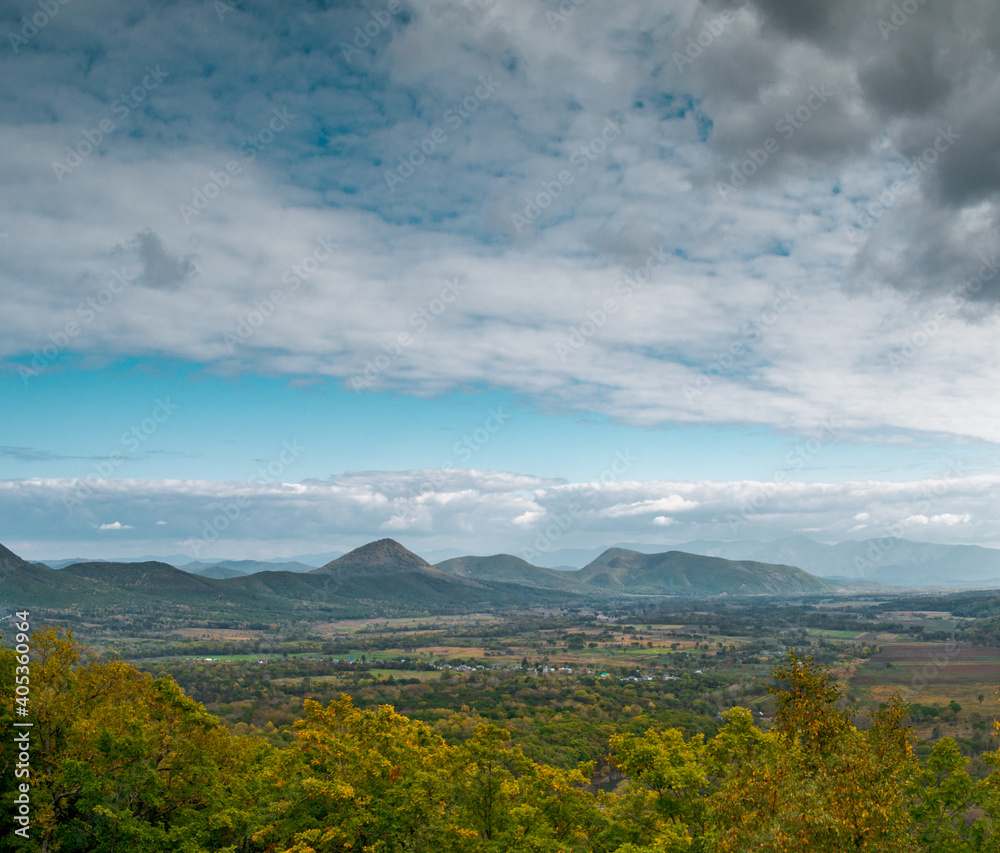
455	272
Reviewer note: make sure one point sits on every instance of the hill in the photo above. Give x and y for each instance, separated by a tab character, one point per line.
890	560
23	583
384	576
151	580
677	572
627	572
386	556
237	568
218	572
510	569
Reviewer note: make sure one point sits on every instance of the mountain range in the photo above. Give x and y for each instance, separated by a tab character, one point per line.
888	560
866	563
385	575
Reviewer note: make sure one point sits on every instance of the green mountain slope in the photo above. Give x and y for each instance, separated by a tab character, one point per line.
237	568
676	572
386	556
385	576
24	584
152	579
218	572
509	569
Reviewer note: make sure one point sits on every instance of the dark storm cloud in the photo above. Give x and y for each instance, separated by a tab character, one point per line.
906	75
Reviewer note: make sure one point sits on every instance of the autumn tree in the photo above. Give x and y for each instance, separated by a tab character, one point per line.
814	782
125	762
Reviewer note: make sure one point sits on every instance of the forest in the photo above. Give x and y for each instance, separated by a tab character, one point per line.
122	760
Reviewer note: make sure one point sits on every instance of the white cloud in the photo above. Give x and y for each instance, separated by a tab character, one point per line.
485	511
526	295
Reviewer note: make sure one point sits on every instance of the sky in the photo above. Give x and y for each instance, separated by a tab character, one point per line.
496	275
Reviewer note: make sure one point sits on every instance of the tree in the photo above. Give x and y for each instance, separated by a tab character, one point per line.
662	806
361	780
814	782
125	762
943	793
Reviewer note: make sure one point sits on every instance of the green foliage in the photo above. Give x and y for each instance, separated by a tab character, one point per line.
124	761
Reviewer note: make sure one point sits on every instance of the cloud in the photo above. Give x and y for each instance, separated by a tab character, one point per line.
553	312
28	454
160	269
34	454
484	512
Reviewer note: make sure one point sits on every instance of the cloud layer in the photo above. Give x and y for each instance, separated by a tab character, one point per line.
499	512
272	192
765	213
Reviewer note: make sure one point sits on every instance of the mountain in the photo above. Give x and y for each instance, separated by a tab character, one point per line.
171	560
61	564
379	577
888	560
386	556
677	572
384	576
623	571
145	580
238	568
23	583
218	572
509	569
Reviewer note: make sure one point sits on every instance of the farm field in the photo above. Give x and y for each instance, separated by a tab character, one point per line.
934	674
544	673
